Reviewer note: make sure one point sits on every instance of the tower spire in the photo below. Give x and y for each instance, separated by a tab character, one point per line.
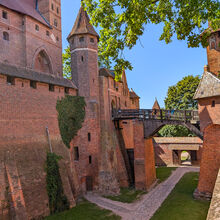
82	25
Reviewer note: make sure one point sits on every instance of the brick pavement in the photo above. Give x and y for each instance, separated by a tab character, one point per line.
144	208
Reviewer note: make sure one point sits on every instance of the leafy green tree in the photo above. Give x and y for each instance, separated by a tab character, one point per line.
180	97
122	22
66	56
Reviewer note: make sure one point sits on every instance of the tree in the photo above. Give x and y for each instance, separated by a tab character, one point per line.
180	97
66	56
122	22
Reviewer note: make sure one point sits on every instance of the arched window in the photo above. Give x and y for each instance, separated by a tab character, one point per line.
42	63
6	36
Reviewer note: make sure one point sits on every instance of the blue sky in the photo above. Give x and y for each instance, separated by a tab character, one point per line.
156	64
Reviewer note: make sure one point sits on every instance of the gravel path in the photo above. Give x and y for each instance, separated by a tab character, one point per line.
144	208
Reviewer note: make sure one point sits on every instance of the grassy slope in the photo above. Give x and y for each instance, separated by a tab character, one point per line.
164	172
85	211
180	204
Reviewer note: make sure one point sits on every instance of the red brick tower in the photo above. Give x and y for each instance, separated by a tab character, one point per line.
208	96
83	41
213	53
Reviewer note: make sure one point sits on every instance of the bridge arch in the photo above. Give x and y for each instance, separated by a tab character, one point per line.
154	119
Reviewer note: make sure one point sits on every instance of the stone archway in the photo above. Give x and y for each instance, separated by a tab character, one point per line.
185	158
42	62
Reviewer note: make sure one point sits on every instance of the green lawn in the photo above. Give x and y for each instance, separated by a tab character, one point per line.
130	195
163	173
127	195
180	204
85	211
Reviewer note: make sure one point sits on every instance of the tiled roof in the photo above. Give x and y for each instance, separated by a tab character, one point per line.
133	95
209	86
27	7
105	72
178	140
82	25
24	73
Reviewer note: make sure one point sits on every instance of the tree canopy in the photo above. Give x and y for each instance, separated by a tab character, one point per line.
122	22
66	57
180	97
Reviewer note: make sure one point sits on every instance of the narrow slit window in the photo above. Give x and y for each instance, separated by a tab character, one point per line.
33	84
10	80
47	33
90	159
37	27
52	6
55	23
51	88
58	10
213	103
82	58
81	39
89	136
76	153
6	36
66	90
5	14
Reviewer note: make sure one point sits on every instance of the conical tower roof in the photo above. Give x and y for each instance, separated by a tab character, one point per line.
82	25
156	105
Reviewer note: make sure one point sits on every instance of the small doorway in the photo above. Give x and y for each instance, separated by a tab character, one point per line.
130	153
89	183
186	158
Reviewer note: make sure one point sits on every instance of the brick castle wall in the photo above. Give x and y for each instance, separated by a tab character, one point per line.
25	112
207	113
25	42
213	53
210	162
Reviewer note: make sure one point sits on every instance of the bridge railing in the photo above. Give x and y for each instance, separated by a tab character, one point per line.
156	114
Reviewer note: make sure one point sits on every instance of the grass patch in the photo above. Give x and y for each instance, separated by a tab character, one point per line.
180	203
85	211
127	195
163	173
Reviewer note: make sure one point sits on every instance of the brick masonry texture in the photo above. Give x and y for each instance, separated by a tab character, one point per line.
209	113
26	112
214	213
210	162
25	42
213	52
164	154
144	164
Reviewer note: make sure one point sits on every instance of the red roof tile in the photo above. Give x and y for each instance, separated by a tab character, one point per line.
27	7
82	25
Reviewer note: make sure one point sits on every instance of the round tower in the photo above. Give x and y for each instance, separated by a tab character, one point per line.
83	41
213	53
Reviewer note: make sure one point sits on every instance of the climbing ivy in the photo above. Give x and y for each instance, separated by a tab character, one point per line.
71	114
57	200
